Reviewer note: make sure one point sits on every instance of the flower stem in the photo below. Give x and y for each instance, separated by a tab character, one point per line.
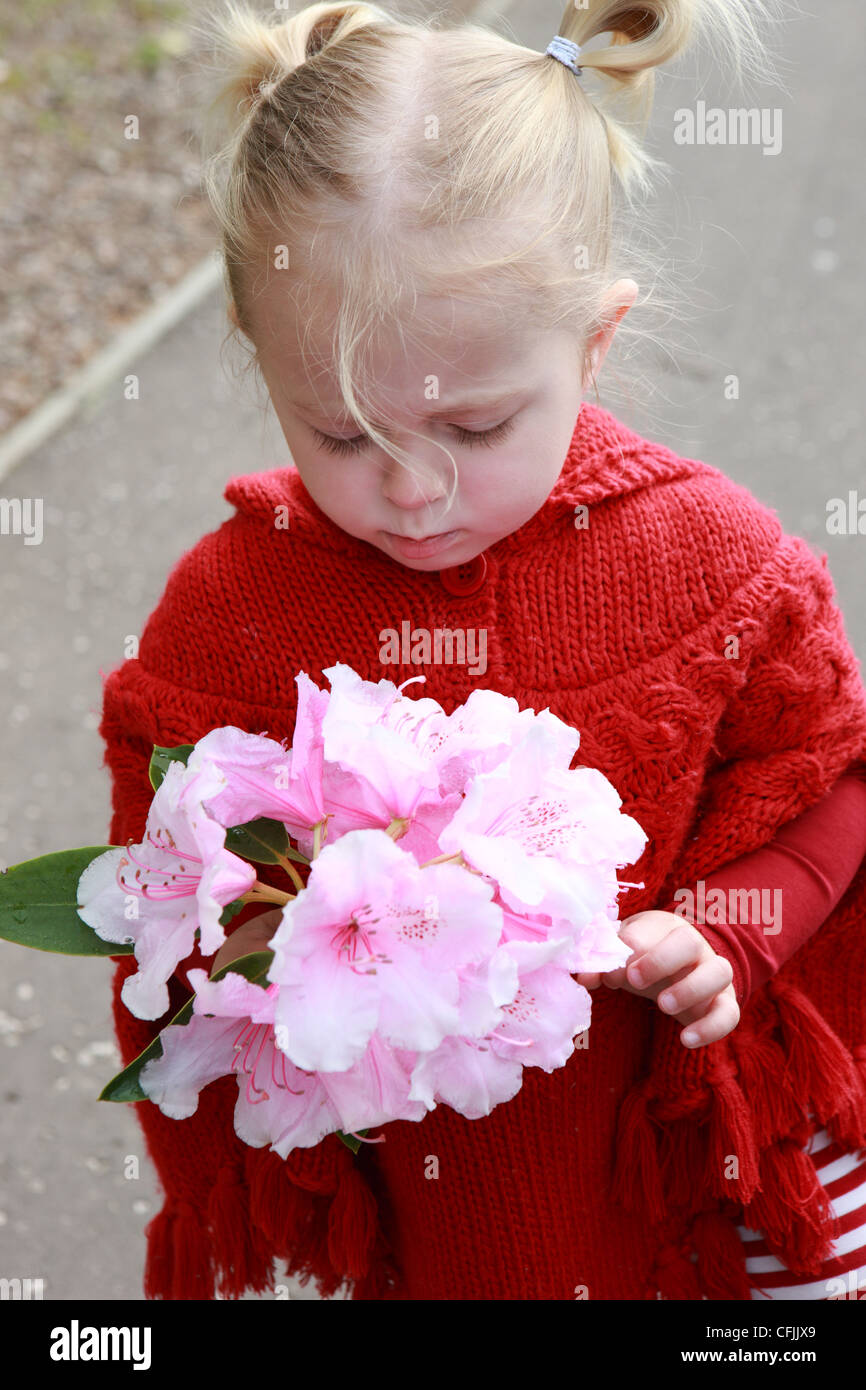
291	871
447	859
264	893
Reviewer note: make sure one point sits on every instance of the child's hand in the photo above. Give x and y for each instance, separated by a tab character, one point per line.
676	966
250	936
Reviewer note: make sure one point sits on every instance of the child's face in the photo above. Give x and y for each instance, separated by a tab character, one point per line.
525	387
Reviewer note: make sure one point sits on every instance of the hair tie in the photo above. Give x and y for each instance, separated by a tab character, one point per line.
565	51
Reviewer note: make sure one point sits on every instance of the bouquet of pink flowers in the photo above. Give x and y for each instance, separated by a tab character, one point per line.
445	877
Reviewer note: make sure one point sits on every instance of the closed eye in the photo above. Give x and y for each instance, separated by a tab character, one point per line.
471	438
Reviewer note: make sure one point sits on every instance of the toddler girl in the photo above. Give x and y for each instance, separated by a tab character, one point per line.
418	228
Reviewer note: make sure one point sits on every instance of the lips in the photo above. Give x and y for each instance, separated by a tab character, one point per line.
424	546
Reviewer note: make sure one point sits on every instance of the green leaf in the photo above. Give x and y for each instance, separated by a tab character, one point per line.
229	911
39	905
264	841
350	1141
253	967
161	758
126	1086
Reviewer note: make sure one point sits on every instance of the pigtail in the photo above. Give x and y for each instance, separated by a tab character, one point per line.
253	52
653	33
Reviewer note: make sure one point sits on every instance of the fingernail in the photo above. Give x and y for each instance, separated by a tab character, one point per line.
690	1039
636	977
667	1001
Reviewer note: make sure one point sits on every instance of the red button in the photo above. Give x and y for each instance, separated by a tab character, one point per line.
465	579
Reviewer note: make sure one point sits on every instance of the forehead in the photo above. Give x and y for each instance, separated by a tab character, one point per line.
443	353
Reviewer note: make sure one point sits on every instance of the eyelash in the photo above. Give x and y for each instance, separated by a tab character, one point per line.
470	437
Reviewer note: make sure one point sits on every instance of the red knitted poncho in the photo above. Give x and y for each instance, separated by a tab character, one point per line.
698	650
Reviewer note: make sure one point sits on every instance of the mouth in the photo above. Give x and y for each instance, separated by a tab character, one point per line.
420	546
419	540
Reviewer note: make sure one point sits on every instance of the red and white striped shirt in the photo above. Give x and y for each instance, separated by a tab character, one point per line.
843	1275
813	860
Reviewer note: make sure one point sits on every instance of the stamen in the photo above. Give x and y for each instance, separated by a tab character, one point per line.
262	1095
168	849
410	681
189	882
250	1045
347	937
252	1082
284	1084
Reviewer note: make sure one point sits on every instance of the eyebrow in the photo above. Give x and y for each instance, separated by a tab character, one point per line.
440	413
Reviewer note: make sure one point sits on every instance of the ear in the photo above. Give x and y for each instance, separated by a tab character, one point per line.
619	300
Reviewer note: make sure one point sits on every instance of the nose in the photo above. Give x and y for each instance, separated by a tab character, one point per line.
409	490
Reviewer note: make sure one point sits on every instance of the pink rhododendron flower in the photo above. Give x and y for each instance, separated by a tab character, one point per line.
548	837
263	778
178	879
374	773
461	872
588	946
538	1028
467	1075
232	1030
475	736
374	944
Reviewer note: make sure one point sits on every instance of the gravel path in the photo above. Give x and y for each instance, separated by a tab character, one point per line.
95	226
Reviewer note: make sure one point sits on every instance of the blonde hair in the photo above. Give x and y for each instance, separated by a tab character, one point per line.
389	155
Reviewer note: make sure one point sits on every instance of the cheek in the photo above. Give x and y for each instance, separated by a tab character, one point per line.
519	479
317	475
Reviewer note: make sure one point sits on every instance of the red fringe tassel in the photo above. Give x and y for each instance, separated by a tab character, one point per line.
352	1225
721	1266
753	1107
178	1263
830	1075
637	1180
240	1253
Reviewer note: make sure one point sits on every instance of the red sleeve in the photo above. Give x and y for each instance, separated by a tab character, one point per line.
800	876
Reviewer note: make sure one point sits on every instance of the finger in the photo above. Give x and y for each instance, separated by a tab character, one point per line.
618	979
681	947
641	932
650	991
614	979
720	1018
588	979
700	1011
705	980
653	991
